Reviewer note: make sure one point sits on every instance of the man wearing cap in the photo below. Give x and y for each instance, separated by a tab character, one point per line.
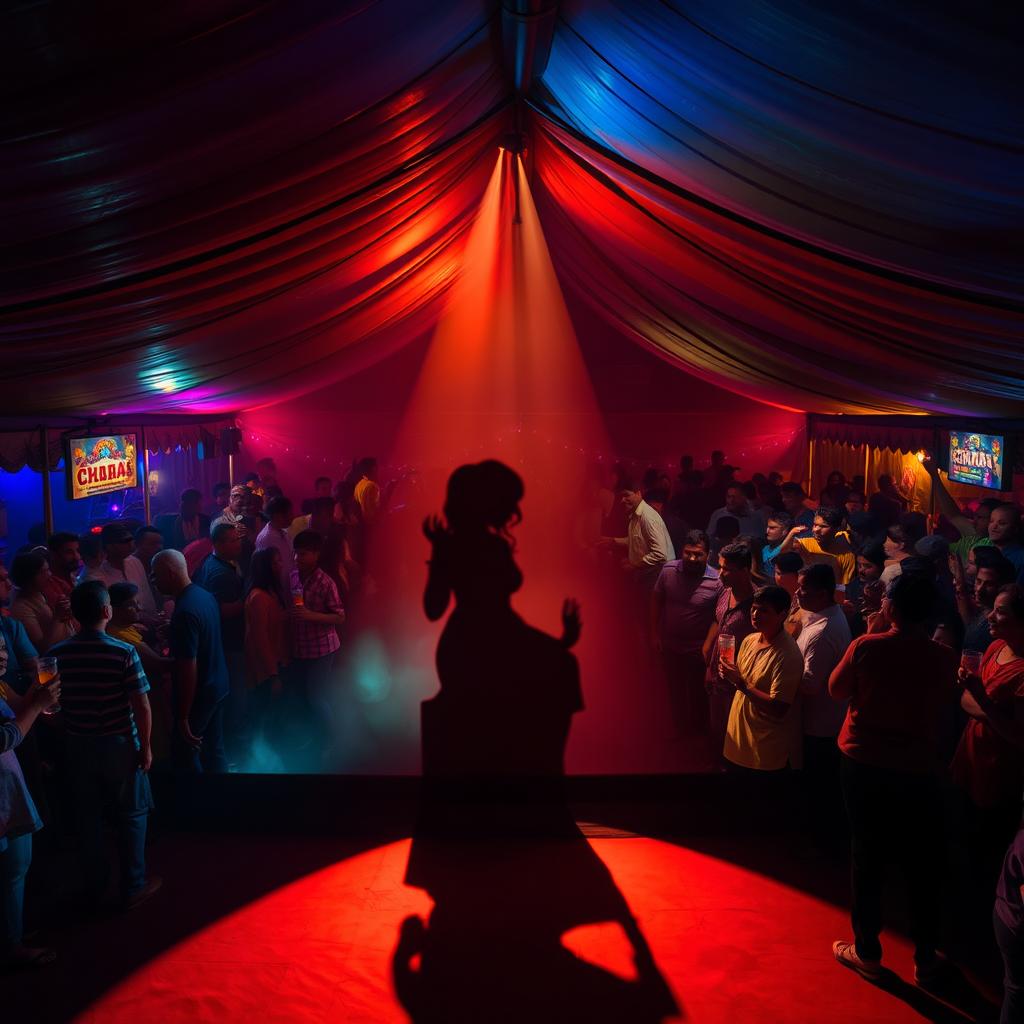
117	567
233	512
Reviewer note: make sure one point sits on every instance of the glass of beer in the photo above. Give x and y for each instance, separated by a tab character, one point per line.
970	662
727	648
298	597
46	671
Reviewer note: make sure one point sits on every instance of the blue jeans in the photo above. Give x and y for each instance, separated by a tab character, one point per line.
14	862
104	775
206	720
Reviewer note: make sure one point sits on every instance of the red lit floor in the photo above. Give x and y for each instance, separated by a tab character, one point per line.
312	930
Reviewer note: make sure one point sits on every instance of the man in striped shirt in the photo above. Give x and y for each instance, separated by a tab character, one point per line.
108	722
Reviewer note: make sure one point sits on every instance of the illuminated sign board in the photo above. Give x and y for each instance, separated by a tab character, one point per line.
98	465
977	459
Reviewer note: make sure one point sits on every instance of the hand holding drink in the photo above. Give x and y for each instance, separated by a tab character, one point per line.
46	673
727	648
970	662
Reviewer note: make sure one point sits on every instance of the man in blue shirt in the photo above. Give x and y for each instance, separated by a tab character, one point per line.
219	575
779	525
107	718
200	672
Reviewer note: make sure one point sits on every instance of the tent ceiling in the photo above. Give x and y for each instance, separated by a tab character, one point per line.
225	204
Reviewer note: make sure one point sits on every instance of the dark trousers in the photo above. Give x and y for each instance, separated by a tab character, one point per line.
684	674
720	697
105	776
823	804
206	720
14	865
1011	945
308	711
893	816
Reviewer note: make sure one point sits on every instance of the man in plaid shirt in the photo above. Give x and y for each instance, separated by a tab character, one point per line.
316	615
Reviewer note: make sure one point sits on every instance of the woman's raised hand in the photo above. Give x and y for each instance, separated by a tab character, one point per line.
434	529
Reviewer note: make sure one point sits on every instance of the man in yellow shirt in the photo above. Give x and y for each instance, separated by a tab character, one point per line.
367	490
764	721
826	545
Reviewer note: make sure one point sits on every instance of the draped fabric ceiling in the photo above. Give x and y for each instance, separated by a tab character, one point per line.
217	204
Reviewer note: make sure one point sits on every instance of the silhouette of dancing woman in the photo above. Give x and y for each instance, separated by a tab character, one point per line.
493	755
508	691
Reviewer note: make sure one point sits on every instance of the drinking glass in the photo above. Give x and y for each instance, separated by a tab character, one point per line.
46	670
970	662
727	648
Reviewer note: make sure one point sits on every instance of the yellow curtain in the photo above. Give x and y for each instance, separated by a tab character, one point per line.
830	456
909	475
904	467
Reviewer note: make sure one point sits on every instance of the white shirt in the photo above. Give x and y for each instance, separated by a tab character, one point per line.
823	640
648	542
134	572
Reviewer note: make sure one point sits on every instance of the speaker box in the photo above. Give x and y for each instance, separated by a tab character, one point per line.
230	441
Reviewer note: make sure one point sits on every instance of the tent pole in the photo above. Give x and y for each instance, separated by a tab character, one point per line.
810	456
147	510
867	468
231	471
44	441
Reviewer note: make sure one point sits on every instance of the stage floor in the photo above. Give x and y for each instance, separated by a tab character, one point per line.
311	929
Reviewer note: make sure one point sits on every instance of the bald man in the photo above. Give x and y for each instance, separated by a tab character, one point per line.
200	672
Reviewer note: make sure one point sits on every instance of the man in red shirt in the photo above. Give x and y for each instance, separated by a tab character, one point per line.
900	686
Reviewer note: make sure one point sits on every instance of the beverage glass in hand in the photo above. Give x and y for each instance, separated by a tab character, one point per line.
46	671
727	648
970	662
298	597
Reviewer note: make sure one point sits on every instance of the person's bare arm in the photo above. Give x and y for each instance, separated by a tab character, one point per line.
790	543
709	641
305	614
143	714
773	706
186	674
947	504
30	707
1009	724
153	664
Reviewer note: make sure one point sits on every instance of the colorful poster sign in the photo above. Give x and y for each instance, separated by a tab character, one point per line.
977	459
98	465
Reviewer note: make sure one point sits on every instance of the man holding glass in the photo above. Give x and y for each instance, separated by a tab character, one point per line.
107	718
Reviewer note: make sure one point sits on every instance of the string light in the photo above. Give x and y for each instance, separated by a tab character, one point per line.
631	460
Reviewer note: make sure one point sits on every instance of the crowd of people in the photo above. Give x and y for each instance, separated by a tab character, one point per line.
822	635
875	649
171	646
